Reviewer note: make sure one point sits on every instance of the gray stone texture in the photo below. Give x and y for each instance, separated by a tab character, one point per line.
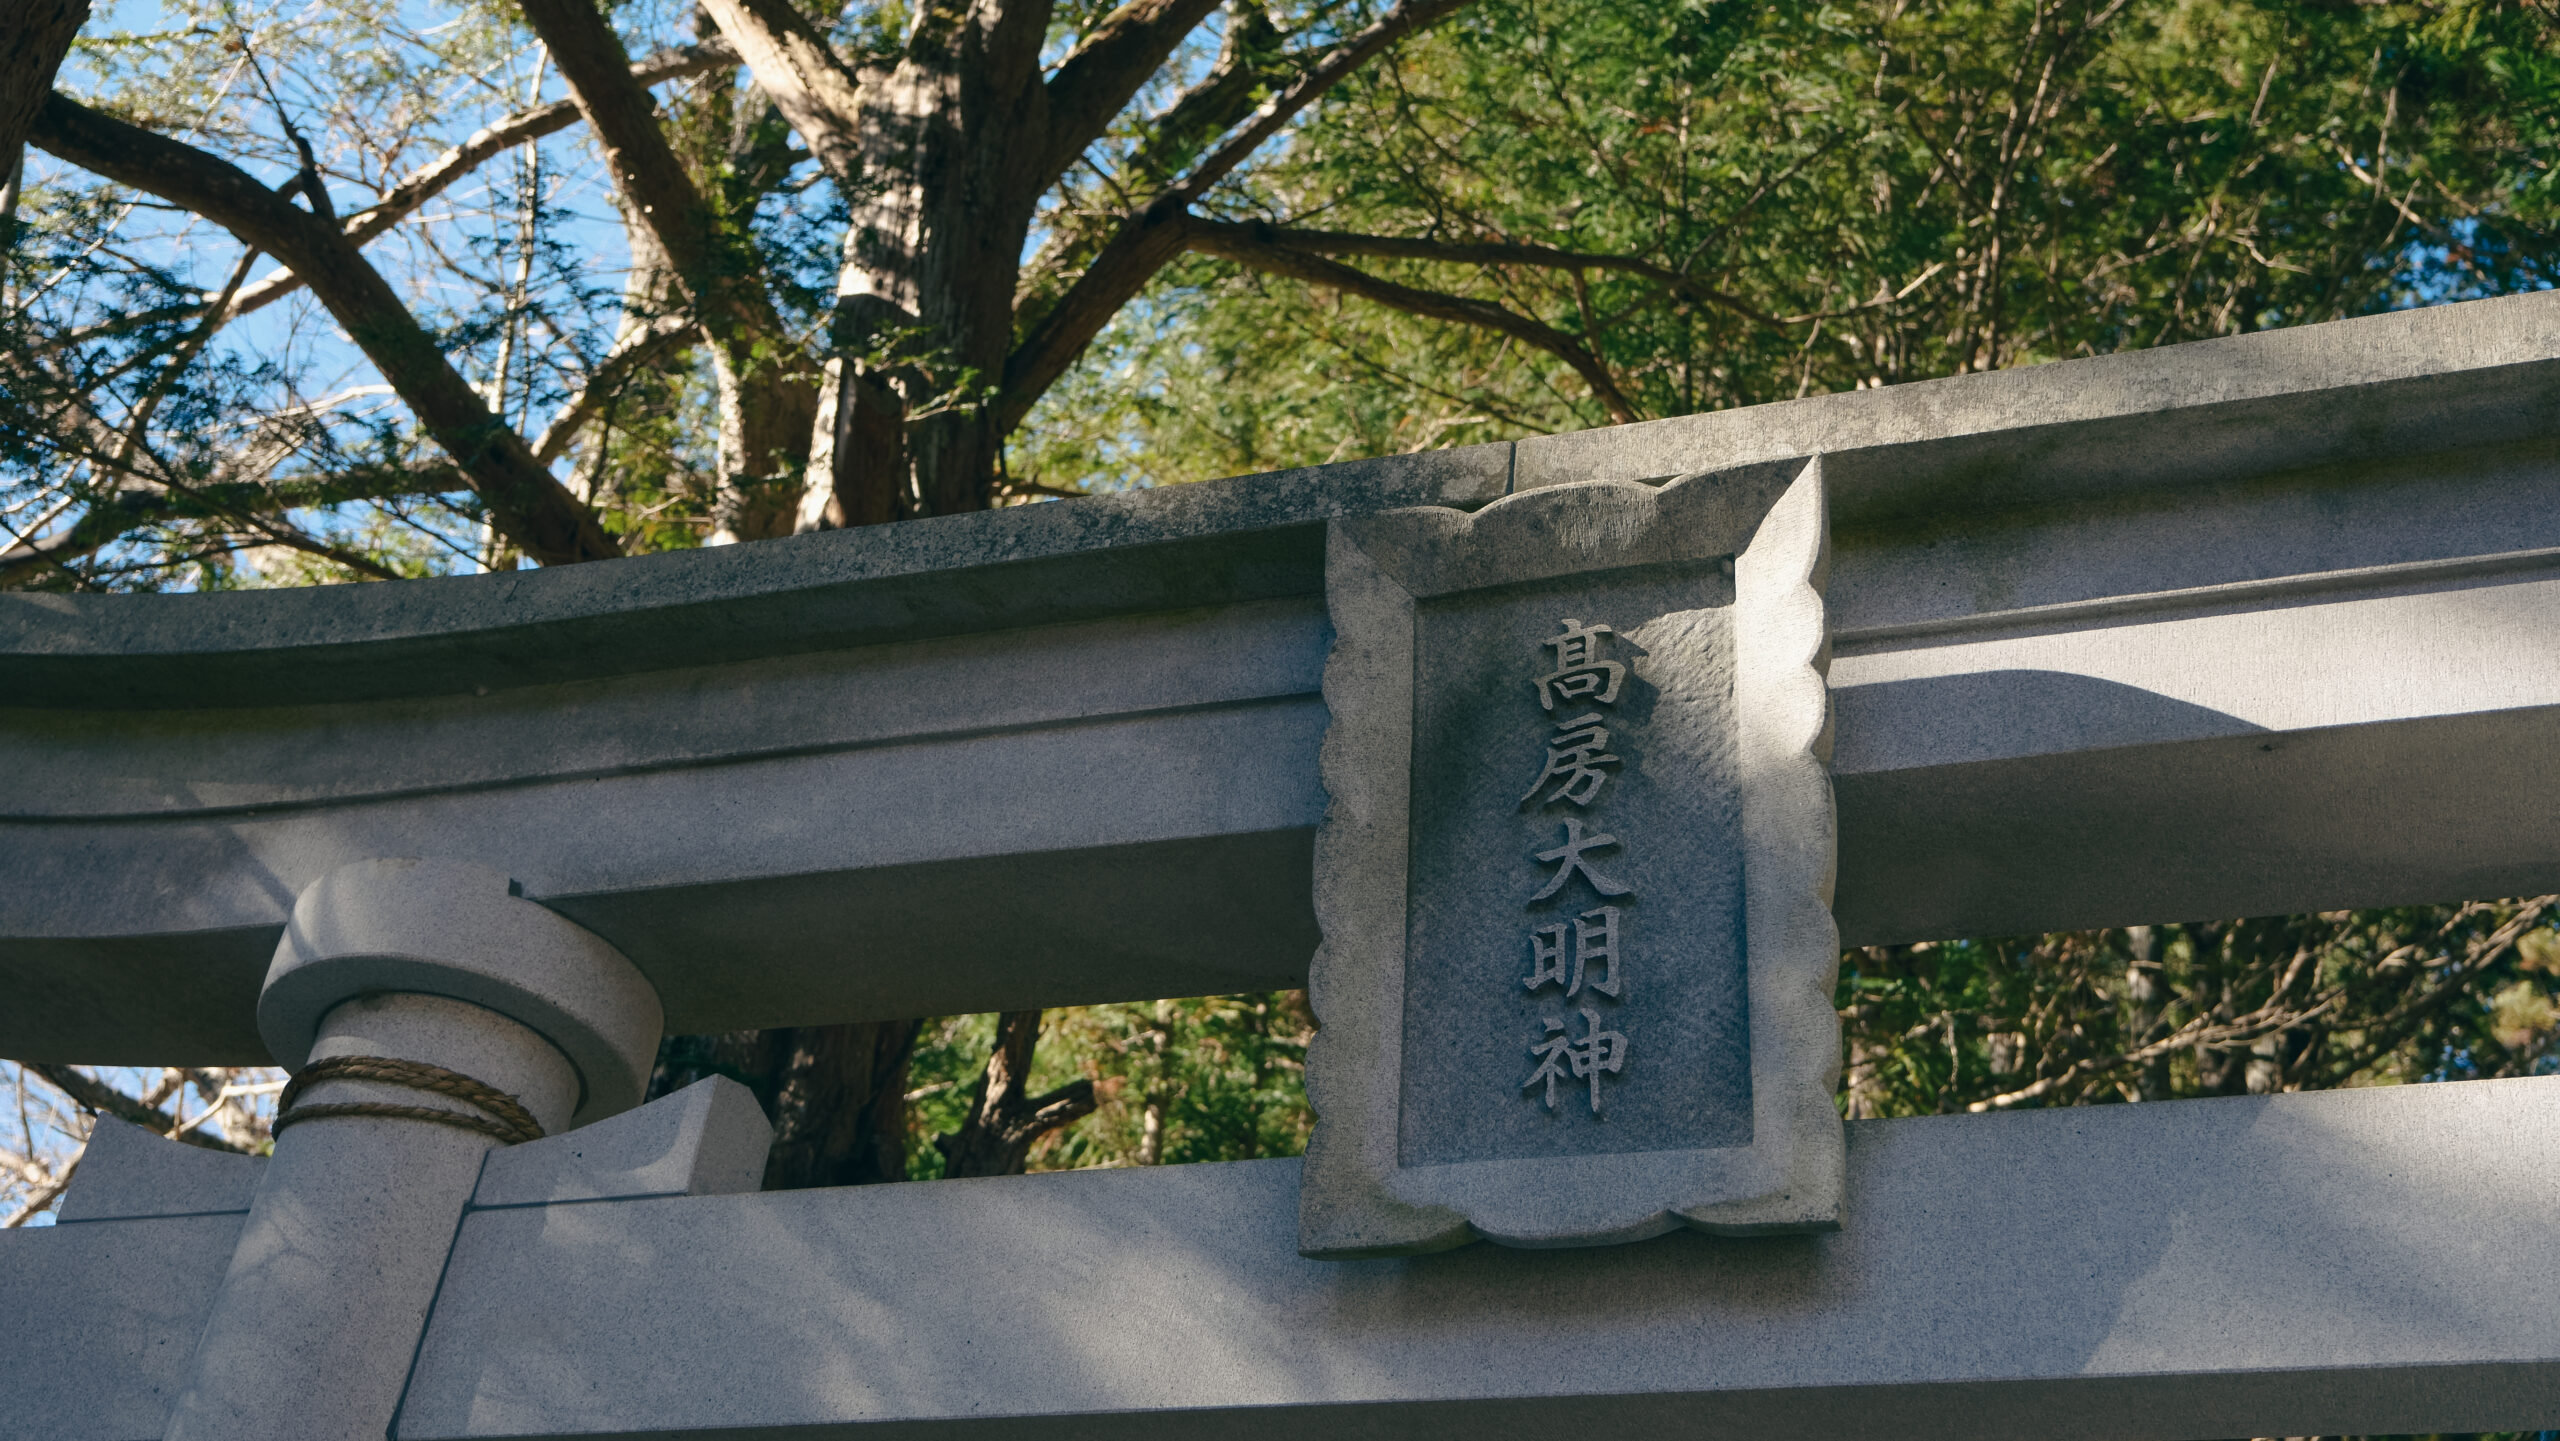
339	1261
2272	627
1247	538
102	1320
107	1307
1432	1126
2250	627
1672	804
342	1255
708	1139
2202	413
126	1173
2119	1272
452	929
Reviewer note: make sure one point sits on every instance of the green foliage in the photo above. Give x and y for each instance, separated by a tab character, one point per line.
1217	1078
1854	195
1952	188
2345	998
949	1054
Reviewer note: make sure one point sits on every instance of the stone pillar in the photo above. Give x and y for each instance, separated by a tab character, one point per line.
431	962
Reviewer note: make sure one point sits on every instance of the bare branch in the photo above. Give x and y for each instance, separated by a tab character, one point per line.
41	1194
1098	78
524	499
1145	240
799	71
1244	245
98	1096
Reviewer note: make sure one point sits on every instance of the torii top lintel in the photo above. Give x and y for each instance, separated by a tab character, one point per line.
1079	739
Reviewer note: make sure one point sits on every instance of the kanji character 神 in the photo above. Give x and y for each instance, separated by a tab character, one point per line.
1587	1059
1575	754
1579	669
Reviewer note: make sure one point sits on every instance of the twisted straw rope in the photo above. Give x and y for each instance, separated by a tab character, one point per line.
507	1120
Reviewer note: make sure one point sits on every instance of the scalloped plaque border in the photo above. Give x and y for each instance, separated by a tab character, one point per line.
1356	1198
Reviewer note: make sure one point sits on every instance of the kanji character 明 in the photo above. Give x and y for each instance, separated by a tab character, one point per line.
1595	939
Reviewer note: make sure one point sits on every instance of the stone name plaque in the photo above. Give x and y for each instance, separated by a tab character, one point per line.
1575	877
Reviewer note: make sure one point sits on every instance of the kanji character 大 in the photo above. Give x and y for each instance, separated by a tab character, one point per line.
1567	859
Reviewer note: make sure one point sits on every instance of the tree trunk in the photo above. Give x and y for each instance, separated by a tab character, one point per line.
2143	986
857	451
765	421
34	36
924	302
1003	1123
836	1095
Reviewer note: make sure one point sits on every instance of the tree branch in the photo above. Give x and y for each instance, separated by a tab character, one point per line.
1248	58
98	1096
1246	245
1098	78
417	188
1137	249
1144	241
767	395
996	1138
34	37
717	274
137	427
120	512
525	502
1406	19
1390	247
497	138
799	71
642	349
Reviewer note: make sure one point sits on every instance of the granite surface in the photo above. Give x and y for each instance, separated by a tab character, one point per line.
1670	801
1575	980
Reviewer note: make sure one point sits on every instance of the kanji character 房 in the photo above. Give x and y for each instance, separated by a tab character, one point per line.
1579	669
1597	1053
1567	859
1595	949
1575	755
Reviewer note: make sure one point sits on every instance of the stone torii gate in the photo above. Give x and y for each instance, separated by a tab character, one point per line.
2241	627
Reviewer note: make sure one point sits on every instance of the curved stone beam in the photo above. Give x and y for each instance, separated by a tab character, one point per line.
2249	626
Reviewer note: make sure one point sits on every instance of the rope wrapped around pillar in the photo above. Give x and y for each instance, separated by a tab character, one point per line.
507	1119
